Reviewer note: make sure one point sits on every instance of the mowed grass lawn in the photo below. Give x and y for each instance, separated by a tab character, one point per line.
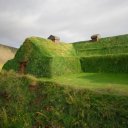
101	82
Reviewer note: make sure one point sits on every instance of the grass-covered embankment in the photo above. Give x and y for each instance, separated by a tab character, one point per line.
45	58
27	102
106	55
108	63
105	46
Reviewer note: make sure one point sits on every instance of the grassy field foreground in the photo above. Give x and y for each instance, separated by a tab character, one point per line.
28	102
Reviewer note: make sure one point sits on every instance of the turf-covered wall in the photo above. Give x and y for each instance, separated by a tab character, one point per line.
65	65
105	46
107	55
45	58
108	63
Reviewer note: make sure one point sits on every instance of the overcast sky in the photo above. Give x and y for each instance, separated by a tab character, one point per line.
71	20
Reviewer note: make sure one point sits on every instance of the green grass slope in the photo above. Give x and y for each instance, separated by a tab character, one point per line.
105	46
27	102
107	55
81	100
45	58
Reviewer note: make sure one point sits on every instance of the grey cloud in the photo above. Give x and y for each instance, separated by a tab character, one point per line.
72	20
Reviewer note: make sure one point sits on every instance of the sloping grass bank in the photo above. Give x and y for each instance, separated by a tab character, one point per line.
45	58
27	102
106	55
105	46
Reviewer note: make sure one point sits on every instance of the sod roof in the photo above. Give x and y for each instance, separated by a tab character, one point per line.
46	58
104	46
